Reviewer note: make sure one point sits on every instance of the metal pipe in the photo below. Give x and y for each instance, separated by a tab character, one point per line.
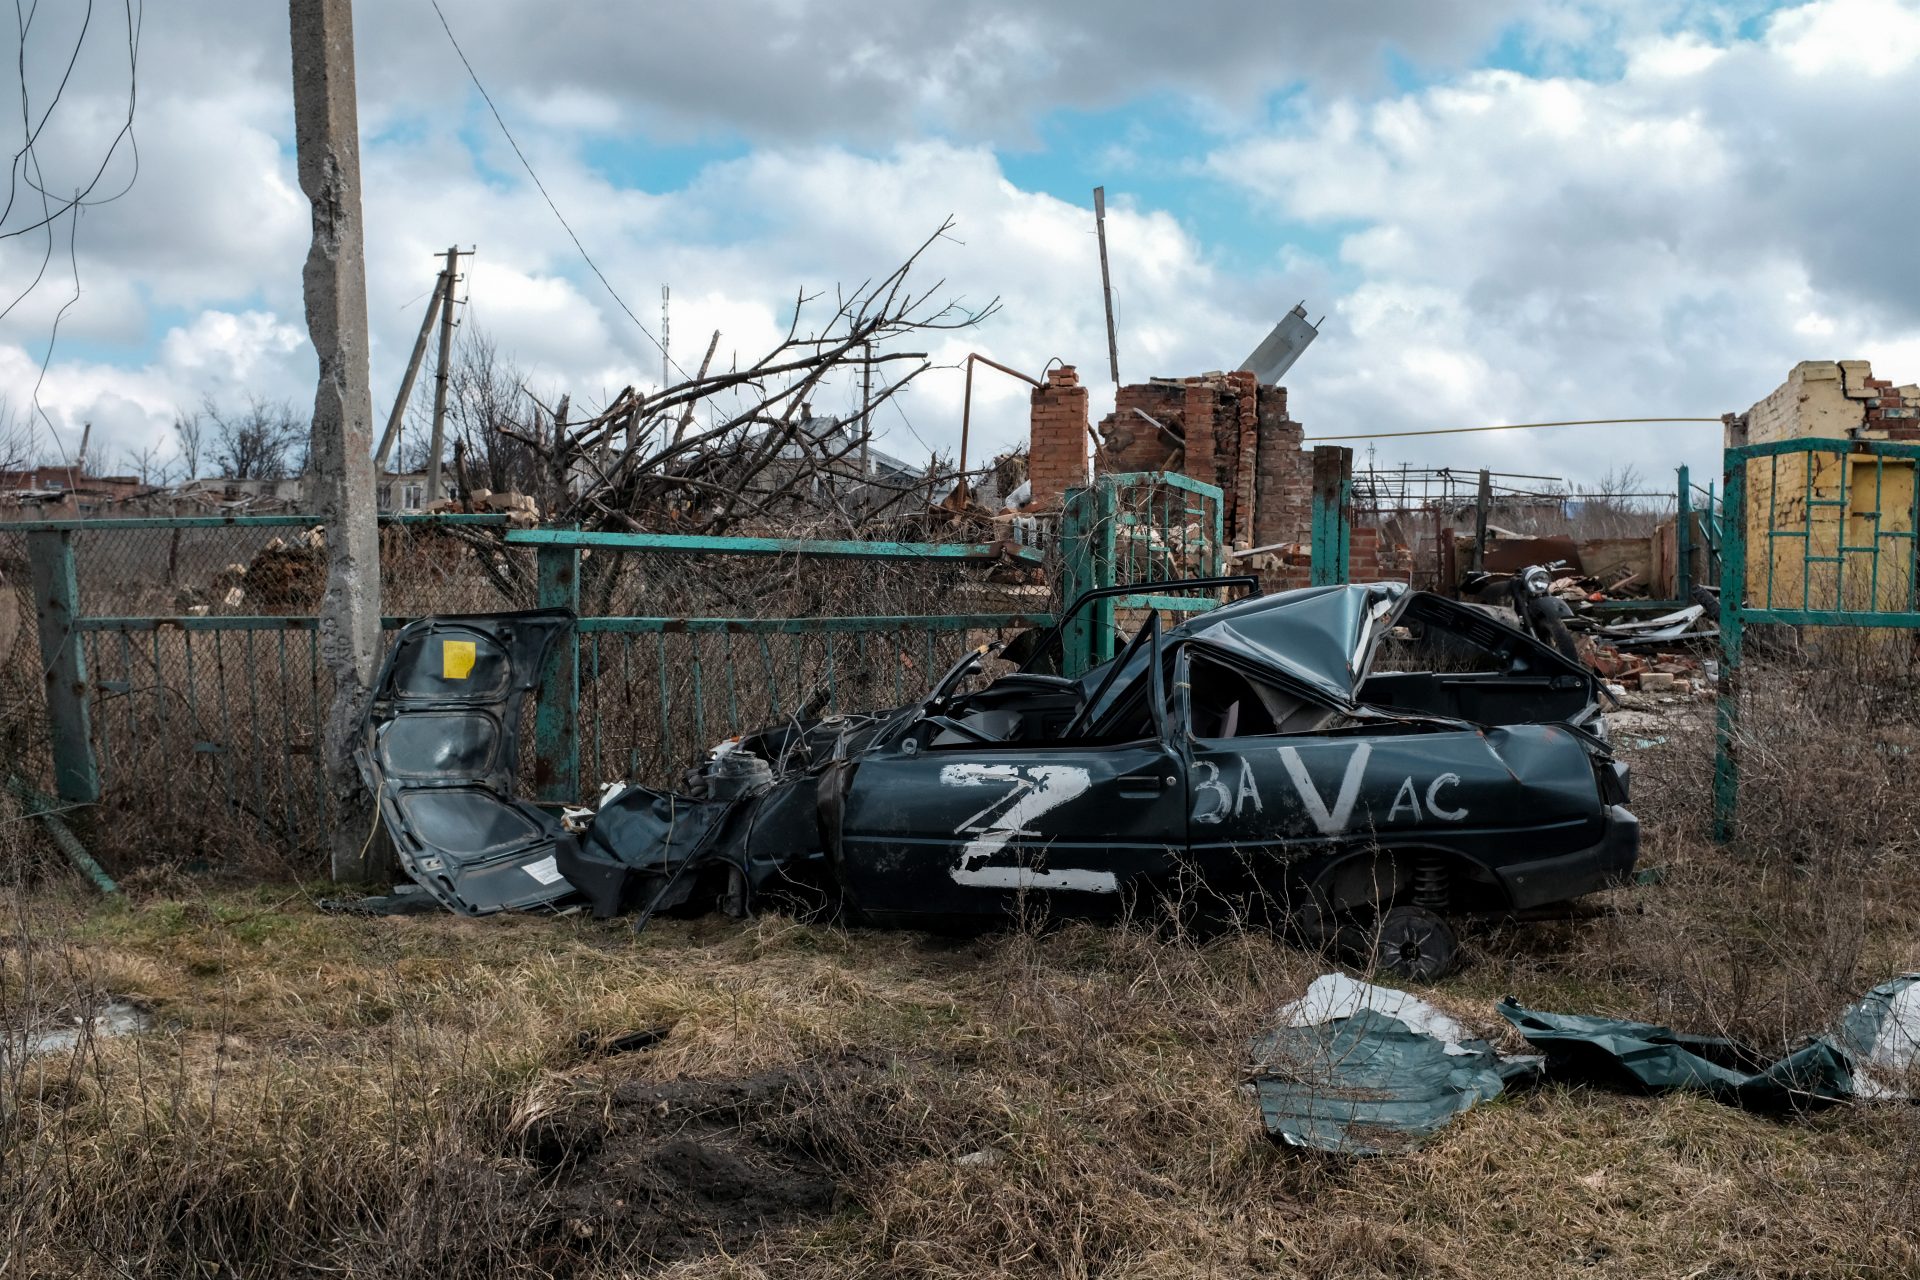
966	409
39	806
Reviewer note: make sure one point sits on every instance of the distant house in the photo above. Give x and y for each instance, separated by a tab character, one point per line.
401	492
63	493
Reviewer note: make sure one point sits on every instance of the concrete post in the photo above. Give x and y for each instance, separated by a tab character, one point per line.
327	135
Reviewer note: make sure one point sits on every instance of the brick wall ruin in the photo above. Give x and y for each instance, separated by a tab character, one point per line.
1830	398
1223	428
1057	448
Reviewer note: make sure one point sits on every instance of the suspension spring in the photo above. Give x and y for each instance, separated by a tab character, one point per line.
1430	884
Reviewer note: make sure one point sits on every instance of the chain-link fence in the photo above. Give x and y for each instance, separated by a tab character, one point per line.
205	693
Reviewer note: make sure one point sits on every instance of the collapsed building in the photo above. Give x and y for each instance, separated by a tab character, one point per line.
1225	429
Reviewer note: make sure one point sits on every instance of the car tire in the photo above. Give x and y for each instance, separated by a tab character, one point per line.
1415	943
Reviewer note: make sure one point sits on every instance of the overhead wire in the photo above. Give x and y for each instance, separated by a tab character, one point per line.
541	186
1511	426
25	167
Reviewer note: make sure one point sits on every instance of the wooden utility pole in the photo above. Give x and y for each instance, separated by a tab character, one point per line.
866	407
1106	279
448	278
392	432
340	457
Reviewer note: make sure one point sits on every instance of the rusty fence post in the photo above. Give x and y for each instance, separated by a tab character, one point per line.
56	607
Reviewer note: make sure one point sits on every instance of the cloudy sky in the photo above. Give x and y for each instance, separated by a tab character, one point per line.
1507	210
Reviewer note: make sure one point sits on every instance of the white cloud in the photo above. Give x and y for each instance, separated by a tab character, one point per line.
1664	221
1670	240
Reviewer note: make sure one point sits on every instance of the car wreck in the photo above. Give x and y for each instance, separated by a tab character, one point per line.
1365	763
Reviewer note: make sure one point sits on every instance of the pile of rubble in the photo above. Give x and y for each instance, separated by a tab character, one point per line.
1674	673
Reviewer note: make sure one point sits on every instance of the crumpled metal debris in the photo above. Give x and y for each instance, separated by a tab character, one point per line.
1865	1056
1358	1069
1364	1070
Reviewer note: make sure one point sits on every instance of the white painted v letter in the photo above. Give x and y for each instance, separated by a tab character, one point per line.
1335	822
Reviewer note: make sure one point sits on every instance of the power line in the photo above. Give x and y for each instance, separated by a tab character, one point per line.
1511	426
508	133
26	166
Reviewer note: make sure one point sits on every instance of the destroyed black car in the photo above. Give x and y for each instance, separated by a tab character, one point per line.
1362	758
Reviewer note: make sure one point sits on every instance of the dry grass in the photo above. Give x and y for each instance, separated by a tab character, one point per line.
410	1097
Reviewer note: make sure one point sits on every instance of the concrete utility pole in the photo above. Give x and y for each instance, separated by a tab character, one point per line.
1106	279
449	278
327	135
392	433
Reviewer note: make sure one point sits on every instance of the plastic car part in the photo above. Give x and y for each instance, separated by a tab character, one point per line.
438	748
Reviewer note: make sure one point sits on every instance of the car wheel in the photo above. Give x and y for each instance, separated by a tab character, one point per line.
1413	942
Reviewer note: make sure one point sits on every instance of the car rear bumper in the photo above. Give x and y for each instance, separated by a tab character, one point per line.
1599	866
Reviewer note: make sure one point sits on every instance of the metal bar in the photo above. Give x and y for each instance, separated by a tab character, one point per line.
1733	614
733	698
1175	604
1835	617
237	622
699	692
666	698
323	801
1106	505
1773	521
286	740
253	736
598	720
556	723
224	522
774	546
1166	480
1824	444
63	663
35	805
804	626
626	699
1682	540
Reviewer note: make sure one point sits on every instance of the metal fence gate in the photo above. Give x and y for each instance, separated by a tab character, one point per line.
1814	533
1134	527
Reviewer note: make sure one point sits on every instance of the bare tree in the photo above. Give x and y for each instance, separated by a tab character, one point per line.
190	431
724	447
263	441
492	414
149	464
16	440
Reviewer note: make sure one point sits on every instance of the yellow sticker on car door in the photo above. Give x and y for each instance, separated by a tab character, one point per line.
456	659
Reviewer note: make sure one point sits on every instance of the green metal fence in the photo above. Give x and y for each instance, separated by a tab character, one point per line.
1814	533
205	716
1137	526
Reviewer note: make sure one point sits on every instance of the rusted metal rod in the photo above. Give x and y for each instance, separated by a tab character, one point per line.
966	410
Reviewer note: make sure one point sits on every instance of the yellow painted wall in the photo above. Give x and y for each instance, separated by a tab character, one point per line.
1799	497
1816	503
